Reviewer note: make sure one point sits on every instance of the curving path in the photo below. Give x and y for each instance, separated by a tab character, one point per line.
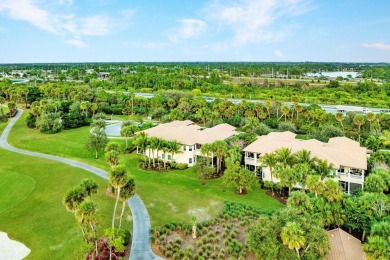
140	246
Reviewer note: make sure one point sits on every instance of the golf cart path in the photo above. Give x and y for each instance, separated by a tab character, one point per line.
140	246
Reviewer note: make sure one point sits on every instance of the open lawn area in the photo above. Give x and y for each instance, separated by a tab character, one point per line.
168	196
31	193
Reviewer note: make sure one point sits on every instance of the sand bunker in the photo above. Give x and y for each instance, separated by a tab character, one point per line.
11	249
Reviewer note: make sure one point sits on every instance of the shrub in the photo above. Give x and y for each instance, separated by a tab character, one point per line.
182	166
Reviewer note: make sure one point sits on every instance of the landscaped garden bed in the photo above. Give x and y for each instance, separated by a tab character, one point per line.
221	238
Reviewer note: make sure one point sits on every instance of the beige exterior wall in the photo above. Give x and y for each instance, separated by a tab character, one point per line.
183	157
347	176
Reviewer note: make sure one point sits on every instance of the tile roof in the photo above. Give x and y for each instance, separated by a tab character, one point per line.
186	132
338	150
344	246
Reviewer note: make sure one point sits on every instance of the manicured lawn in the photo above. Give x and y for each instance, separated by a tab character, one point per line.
31	193
169	196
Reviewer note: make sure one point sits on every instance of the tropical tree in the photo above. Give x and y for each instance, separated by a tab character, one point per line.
127	191
128	131
359	120
340	118
293	236
300	201
234	155
94	108
203	113
90	187
219	149
285	111
285	156
269	160
333	191
142	142
375	183
377	248
174	148
117	177
370	116
385	138
74	198
323	168
97	141
112	157
239	178
87	218
315	184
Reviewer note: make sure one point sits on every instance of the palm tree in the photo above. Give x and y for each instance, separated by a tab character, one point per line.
84	106
376	248
304	156
268	107
74	198
207	152
203	114
165	149
323	168
285	111
128	131
154	145
174	148
127	191
293	236
219	149
333	191
300	201
385	138
90	187
87	219
285	156
340	118
112	157
302	170
94	107
117	177
359	120
142	142
315	185
269	160
298	109
251	124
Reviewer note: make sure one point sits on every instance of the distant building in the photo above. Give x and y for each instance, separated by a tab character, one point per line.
103	75
344	246
348	158
190	136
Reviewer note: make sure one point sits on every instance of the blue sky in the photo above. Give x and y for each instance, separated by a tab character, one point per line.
194	30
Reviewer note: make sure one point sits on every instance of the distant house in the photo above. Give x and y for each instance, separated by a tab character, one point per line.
344	246
103	75
348	158
190	136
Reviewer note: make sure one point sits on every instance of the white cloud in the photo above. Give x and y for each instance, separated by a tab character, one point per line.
76	42
188	28
253	21
49	16
379	46
279	54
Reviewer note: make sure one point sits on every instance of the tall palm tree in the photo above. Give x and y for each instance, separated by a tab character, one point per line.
293	236
285	111
74	198
359	120
174	148
117	177
219	149
285	156
304	156
165	150
340	118
207	152
112	157
251	124
87	218
128	131
94	108
315	185
203	114
127	191
298	109
323	168
142	142
269	160
268	107
90	187
154	144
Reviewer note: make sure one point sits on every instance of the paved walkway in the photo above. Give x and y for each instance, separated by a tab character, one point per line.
140	246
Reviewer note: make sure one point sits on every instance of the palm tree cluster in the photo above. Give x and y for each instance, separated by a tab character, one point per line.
151	146
293	168
79	201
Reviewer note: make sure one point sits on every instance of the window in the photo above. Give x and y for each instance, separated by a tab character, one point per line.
163	156
194	159
184	147
169	157
190	148
190	161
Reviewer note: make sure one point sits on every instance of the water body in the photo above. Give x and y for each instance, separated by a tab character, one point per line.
334	74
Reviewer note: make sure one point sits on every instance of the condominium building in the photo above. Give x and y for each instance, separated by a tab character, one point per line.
346	155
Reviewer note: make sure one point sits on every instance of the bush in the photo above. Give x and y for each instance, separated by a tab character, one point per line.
181	166
30	121
287	126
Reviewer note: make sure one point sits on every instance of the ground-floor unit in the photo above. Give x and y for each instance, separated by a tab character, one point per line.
346	155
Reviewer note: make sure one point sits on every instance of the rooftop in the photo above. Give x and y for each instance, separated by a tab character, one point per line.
188	133
344	246
338	150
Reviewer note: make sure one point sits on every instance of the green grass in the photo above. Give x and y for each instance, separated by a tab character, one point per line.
170	196
31	193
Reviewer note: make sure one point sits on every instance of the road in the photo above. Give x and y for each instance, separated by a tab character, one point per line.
333	109
140	246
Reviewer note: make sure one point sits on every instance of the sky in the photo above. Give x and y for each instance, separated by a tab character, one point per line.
33	31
